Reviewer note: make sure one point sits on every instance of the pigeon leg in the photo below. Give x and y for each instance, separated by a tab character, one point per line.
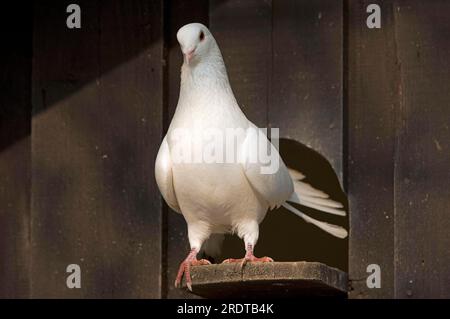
185	268
249	257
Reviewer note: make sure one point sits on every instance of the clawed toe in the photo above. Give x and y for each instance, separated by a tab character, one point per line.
249	257
231	260
185	269
246	259
200	262
264	259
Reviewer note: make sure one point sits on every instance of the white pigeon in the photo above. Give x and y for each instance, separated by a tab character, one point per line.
232	197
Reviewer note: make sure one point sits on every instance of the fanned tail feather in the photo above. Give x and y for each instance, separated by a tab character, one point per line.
314	203
306	195
334	230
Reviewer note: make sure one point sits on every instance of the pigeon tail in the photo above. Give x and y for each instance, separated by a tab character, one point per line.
334	230
306	195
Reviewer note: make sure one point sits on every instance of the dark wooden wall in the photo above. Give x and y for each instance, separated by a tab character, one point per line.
398	148
98	116
83	120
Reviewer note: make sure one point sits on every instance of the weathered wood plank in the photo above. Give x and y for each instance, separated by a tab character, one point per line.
406	205
98	104
15	148
372	103
64	61
269	280
422	159
130	114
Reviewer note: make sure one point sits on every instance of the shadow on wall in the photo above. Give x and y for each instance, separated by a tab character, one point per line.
285	236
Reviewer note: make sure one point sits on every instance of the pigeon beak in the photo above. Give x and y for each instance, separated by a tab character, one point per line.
189	55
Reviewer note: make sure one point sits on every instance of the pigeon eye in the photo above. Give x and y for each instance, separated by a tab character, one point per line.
202	36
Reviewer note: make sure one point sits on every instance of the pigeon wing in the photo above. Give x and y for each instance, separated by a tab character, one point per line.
264	168
164	176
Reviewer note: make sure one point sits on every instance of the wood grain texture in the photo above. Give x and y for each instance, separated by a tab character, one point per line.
269	280
372	103
422	159
398	162
97	97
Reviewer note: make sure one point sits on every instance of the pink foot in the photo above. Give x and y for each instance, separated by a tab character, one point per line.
249	257
185	268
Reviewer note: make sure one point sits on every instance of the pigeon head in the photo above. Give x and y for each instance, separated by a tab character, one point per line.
196	42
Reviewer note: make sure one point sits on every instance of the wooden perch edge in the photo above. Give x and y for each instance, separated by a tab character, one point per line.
270	280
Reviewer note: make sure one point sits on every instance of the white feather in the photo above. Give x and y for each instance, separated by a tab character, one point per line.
164	176
306	189
296	175
334	230
306	195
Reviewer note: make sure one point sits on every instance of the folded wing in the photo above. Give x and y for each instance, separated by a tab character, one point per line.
164	176
264	168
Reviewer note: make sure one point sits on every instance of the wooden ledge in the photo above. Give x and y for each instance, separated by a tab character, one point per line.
272	280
